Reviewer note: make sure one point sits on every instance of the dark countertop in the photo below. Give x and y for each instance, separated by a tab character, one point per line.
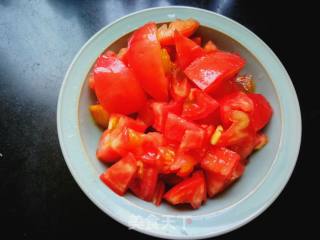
38	40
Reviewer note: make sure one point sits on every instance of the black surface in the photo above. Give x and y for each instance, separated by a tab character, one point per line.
38	40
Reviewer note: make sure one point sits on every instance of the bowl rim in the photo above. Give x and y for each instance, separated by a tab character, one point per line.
295	112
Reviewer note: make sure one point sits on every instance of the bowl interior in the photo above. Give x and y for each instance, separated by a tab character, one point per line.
260	162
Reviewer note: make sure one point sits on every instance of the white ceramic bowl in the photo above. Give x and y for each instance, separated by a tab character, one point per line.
266	174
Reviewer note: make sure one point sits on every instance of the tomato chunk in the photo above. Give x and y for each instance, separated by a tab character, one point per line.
222	166
186	27
198	105
262	112
191	190
176	126
180	85
119	175
161	111
144	57
209	71
105	152
110	76
145	183
183	164
221	161
187	50
100	116
193	139
235	101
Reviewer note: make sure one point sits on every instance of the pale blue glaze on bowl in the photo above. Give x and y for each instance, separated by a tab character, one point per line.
266	174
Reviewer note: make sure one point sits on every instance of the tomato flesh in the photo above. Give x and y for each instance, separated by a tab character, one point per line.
209	71
262	112
144	57
119	175
110	76
191	190
198	105
186	27
187	50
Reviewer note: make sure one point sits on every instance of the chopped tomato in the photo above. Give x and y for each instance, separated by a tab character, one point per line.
111	75
158	193
186	27
237	172
100	116
215	183
144	185
176	126
187	50
262	112
235	101
144	57
210	47
146	114
129	140
161	111
166	158
180	86
117	135
105	152
221	161
225	88
246	145
193	139
121	121
209	71
119	175
192	190
238	130
212	119
222	166
183	164
198	105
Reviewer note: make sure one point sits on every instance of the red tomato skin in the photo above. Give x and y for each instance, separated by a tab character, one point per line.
209	71
191	190
110	76
105	152
144	185
221	161
187	50
161	111
262	112
119	175
215	183
176	126
144	57
198	105
146	114
180	85
186	27
193	139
